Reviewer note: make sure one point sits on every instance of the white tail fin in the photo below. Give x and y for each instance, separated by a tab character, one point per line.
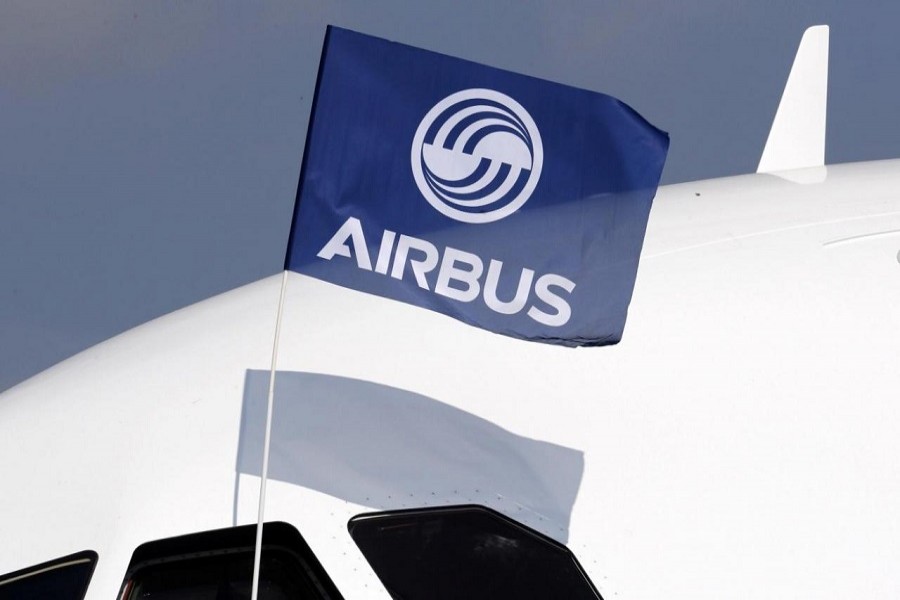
797	138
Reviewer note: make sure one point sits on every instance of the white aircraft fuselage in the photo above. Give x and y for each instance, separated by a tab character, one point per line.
741	439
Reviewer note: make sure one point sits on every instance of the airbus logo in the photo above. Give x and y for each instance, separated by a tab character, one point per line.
477	156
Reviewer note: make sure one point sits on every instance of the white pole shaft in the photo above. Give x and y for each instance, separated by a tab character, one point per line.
257	554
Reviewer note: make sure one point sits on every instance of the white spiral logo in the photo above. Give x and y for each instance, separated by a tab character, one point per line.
477	156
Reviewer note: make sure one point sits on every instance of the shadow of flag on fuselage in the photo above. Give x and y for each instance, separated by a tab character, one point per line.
388	448
508	202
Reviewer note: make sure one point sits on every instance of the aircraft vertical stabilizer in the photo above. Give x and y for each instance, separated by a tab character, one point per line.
797	137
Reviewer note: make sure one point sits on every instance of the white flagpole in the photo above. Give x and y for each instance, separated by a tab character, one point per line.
257	554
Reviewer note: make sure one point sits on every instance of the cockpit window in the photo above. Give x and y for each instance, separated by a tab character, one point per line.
65	578
467	552
218	565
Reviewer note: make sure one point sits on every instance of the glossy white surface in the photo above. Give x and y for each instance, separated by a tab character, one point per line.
740	440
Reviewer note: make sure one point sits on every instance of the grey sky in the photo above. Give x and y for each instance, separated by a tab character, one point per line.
149	151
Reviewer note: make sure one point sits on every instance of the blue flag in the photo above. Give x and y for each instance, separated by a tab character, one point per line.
508	202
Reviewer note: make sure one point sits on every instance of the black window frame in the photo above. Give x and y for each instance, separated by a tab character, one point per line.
406	579
84	557
277	536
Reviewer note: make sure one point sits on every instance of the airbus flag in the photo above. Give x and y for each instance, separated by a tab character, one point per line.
505	201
